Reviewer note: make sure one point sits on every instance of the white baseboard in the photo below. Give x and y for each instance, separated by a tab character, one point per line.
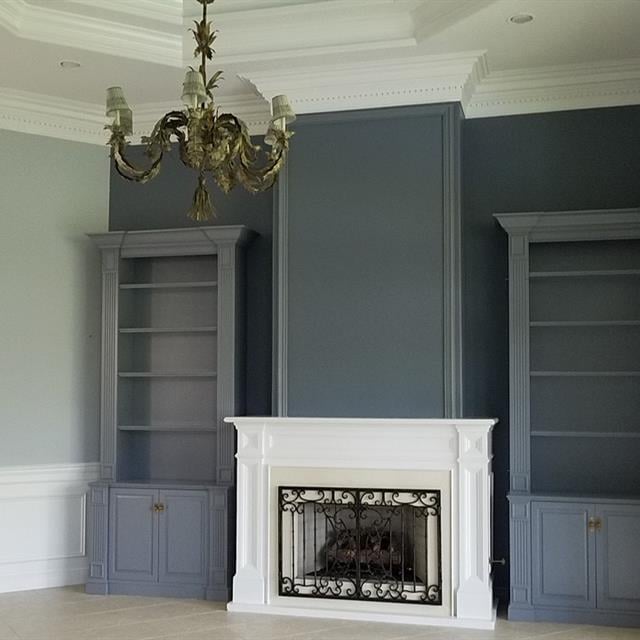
43	533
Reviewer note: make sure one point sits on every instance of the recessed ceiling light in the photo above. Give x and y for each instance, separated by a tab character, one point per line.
69	64
520	18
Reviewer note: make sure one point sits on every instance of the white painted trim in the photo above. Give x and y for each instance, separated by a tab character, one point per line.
402	80
69	29
42	115
461	447
43	533
65	119
50	473
555	88
169	11
397	81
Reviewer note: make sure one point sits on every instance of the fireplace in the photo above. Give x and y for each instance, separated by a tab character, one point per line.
392	526
360	544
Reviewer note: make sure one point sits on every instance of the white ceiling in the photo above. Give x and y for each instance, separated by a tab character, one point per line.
325	54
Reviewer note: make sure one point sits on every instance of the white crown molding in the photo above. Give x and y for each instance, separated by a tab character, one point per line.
35	22
167	11
304	30
38	114
54	117
434	16
407	80
557	88
252	109
380	83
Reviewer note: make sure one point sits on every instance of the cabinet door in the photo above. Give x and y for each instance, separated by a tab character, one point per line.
183	537
133	535
618	557
563	555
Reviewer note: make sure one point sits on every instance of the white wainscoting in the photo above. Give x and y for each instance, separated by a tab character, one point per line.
43	524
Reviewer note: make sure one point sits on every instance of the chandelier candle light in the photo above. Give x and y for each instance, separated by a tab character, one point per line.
209	141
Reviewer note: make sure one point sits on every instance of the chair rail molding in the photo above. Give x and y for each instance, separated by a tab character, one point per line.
43	532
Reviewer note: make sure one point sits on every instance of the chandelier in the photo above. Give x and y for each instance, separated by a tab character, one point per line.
210	142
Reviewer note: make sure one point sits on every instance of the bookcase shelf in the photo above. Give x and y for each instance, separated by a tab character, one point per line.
167	374
585	434
170	285
584	374
610	273
211	329
585	323
186	428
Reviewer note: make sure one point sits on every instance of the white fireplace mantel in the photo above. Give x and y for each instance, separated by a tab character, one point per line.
269	447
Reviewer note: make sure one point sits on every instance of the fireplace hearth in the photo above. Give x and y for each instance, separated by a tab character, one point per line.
360	544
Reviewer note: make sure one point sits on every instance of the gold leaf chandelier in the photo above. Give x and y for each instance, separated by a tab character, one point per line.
208	141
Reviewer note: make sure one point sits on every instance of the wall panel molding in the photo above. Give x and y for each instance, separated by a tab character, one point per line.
450	116
43	532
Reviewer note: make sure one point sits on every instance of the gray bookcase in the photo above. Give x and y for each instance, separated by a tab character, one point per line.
172	350
574	292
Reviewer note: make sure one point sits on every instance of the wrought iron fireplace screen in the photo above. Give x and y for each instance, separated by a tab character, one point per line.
360	544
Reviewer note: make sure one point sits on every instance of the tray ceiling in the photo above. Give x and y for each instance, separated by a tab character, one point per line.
325	54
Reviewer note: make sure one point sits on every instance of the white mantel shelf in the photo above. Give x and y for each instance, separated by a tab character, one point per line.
459	449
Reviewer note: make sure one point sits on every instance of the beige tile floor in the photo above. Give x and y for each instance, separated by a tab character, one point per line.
70	614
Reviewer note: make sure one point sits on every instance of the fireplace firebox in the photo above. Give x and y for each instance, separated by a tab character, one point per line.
360	544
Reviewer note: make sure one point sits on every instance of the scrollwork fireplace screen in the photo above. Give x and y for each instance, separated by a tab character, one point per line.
360	544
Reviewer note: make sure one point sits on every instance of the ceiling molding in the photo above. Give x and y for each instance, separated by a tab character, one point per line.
167	11
35	22
42	115
308	29
251	109
380	83
556	88
434	16
54	117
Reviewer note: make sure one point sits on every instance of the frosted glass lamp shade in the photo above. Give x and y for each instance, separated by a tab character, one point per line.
193	91
115	101
126	121
281	110
270	136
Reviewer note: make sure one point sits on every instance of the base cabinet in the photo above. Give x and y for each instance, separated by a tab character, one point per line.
563	556
584	562
159	541
618	557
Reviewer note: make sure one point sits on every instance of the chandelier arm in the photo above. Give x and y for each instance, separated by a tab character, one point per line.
126	169
259	178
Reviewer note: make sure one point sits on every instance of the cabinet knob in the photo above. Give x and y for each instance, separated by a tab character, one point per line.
594	524
158	507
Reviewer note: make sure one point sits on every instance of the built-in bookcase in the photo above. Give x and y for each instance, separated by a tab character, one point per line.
172	370
584	333
167	368
574	360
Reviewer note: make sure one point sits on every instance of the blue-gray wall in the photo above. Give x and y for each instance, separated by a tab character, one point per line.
52	192
366	201
365	254
163	204
585	159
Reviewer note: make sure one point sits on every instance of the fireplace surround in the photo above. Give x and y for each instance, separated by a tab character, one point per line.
369	519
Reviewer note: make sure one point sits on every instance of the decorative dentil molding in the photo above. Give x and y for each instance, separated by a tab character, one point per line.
555	88
38	114
397	81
